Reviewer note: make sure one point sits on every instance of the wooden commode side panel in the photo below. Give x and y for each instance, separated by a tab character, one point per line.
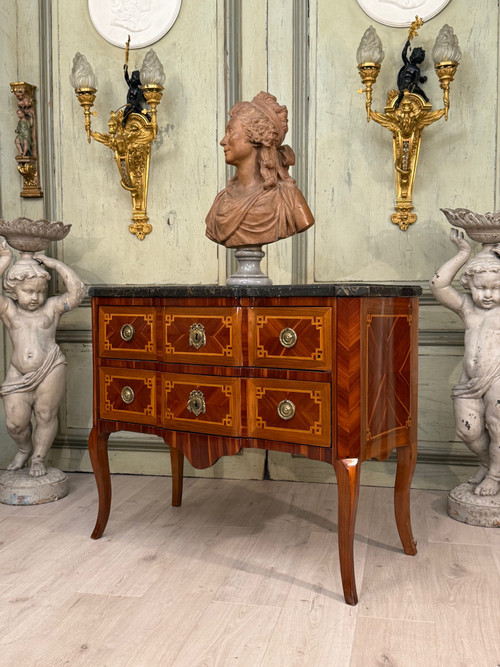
203	336
290	337
127	395
389	374
127	332
201	403
290	411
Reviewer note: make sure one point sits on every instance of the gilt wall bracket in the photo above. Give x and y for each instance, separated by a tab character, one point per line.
26	139
408	110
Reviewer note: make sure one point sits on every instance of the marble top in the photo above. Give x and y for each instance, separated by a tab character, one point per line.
313	289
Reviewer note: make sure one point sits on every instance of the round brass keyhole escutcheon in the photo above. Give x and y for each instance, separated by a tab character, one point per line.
196	403
127	332
197	336
127	395
288	337
286	409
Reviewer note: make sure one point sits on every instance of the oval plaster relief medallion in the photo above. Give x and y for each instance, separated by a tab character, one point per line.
146	21
401	13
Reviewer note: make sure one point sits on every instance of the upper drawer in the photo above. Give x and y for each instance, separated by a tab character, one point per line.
290	337
127	395
127	332
203	336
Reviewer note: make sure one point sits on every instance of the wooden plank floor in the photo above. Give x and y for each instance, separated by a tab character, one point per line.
244	573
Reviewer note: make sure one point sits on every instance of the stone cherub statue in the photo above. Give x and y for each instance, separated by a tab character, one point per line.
476	397
261	202
35	379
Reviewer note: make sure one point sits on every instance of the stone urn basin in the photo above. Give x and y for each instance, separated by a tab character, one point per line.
481	227
30	236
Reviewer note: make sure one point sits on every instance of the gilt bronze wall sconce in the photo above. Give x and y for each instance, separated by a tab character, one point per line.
132	128
408	109
26	140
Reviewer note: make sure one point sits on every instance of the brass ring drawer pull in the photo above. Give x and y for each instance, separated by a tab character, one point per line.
286	409
127	332
196	403
288	337
197	336
127	395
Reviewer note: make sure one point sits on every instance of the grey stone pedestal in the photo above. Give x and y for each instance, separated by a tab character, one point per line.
18	488
249	272
465	506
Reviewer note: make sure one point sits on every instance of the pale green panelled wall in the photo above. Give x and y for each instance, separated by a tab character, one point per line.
304	53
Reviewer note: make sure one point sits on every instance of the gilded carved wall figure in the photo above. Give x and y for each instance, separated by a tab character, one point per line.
25	140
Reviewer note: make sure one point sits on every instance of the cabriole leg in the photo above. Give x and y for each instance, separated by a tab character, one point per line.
407	459
347	472
98	450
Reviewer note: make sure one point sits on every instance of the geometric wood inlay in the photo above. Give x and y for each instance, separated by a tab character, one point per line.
141	321
311	422
221	397
313	331
222	330
388	371
141	385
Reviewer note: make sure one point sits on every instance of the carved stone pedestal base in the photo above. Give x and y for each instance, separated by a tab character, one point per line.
18	488
465	506
249	272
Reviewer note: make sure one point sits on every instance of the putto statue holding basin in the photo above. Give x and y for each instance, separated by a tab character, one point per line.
35	380
476	395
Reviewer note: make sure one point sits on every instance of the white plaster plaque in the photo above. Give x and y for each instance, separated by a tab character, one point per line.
401	13
146	21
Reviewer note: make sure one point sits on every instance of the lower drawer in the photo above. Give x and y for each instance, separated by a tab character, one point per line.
127	395
290	411
201	404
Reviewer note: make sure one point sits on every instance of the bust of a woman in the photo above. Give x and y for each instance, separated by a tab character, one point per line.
261	202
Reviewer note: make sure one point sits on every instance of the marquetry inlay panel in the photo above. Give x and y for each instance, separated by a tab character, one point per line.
127	333
311	403
310	333
222	336
388	394
128	395
221	398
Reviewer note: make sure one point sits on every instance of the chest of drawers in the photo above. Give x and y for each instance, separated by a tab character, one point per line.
326	371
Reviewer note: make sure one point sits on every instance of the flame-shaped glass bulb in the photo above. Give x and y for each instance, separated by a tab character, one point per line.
152	72
370	48
82	75
446	46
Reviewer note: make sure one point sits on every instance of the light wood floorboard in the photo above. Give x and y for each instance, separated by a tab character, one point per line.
244	573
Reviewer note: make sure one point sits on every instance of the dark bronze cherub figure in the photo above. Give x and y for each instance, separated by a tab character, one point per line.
136	102
409	75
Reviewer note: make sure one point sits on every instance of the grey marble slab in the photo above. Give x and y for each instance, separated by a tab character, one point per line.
313	289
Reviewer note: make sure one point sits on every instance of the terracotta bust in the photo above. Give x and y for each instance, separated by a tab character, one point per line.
261	202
